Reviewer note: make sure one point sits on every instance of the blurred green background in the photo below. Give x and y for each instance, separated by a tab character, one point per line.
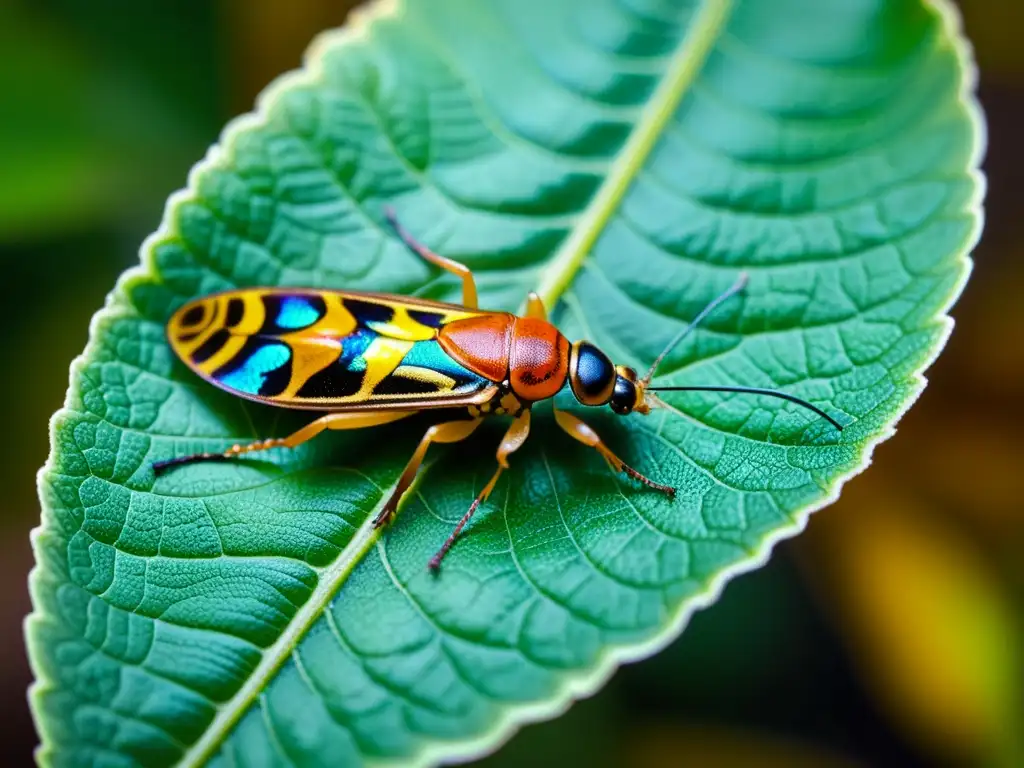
890	634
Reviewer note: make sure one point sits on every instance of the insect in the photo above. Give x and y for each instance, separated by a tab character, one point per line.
366	359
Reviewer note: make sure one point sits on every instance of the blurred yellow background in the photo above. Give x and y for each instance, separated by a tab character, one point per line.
890	634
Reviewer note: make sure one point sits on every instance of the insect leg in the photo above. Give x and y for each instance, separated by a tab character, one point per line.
448	432
513	440
586	435
329	421
535	307
458	269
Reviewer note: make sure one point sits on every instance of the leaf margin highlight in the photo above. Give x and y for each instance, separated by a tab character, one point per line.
581	686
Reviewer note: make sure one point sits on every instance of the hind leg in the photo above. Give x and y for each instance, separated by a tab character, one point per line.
308	432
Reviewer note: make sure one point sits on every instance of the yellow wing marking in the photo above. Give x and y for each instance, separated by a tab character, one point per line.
210	307
402	326
252	317
441	381
337	322
310	355
382	357
252	320
319	345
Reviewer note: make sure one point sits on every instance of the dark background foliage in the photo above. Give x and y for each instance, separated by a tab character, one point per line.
890	634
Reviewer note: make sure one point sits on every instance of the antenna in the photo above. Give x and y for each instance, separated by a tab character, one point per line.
755	391
738	286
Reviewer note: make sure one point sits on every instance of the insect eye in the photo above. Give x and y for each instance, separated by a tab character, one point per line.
623	397
626	372
591	374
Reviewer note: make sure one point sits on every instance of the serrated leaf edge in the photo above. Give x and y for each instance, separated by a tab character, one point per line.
557	277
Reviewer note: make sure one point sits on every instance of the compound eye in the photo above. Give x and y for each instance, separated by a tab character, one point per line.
626	372
623	397
591	374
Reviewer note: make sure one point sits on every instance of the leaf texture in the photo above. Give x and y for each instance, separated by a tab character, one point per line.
627	157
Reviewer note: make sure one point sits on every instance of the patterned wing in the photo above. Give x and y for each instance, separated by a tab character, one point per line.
325	350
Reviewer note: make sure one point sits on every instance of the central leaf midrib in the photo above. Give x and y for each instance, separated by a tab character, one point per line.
684	65
329	581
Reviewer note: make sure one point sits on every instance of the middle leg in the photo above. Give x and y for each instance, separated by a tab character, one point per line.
535	306
448	432
513	440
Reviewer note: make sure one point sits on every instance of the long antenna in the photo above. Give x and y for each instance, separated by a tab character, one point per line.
755	391
738	286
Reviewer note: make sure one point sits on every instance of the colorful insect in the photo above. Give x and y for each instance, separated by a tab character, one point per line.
367	359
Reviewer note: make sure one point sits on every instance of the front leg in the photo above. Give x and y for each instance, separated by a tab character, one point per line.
581	431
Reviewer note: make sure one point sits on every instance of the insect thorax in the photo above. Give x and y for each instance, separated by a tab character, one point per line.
503	403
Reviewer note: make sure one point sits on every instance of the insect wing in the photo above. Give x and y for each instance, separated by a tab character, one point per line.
325	350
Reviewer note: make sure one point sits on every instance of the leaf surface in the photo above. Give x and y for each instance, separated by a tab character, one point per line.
628	158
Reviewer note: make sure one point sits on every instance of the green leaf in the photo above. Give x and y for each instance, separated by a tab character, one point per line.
630	159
